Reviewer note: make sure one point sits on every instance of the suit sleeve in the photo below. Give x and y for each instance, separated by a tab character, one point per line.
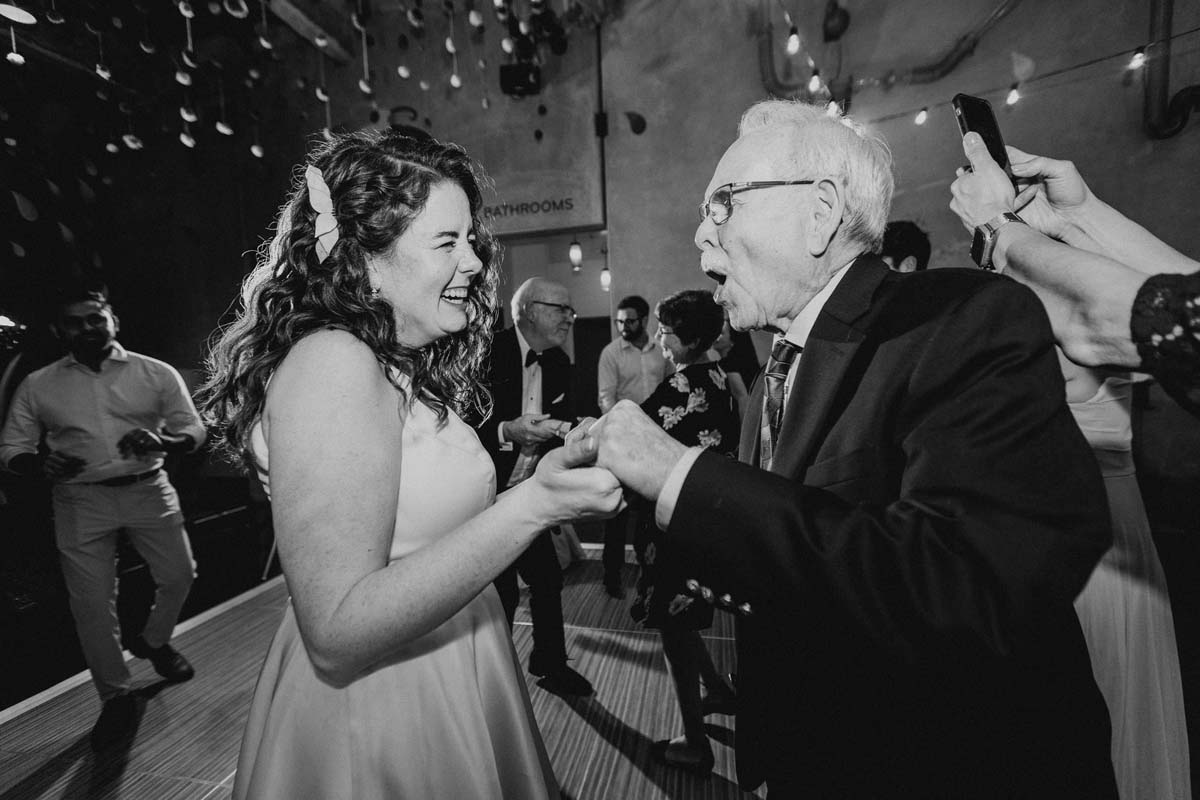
1000	513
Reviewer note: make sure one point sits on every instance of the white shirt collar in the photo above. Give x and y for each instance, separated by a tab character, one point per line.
117	353
802	325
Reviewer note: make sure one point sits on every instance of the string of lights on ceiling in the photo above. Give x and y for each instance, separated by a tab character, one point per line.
1129	61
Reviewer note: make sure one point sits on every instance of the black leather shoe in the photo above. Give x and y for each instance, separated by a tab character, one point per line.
118	720
615	590
702	768
565	681
168	662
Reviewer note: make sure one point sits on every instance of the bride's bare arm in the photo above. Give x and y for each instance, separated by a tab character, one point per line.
334	426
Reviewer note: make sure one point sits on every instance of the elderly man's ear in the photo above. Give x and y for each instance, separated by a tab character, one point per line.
824	216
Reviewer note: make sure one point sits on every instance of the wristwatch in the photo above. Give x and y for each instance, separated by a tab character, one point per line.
984	242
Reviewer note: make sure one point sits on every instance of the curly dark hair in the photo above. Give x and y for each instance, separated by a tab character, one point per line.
693	316
379	183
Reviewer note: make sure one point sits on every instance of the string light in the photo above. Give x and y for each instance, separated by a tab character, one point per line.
605	279
1139	58
263	41
14	57
575	255
922	115
1013	95
814	83
793	41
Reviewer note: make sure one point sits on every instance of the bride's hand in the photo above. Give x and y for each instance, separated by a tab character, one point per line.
570	486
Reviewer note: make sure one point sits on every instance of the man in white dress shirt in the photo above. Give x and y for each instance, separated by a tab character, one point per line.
108	416
631	368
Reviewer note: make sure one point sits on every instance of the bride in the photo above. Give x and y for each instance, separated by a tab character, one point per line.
357	346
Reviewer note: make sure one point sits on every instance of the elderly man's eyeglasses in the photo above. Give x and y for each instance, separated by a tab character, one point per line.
566	311
719	204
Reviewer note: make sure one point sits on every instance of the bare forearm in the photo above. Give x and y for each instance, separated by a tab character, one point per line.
1087	296
397	604
1099	228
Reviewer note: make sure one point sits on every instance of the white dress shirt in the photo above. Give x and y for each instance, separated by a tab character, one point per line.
85	413
629	372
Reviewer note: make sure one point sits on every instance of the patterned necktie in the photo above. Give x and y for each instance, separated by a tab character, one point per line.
783	353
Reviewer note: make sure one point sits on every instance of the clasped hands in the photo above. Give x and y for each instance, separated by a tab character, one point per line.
622	448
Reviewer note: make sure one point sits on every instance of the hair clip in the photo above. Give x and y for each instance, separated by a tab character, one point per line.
325	227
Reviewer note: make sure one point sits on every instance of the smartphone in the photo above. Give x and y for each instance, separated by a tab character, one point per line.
975	114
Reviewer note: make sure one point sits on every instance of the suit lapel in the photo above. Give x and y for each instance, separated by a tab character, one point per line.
749	444
828	354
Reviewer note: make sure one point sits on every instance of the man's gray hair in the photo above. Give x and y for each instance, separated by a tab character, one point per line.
825	142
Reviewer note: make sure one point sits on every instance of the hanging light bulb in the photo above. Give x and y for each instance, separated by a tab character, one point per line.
814	83
185	8
455	81
364	86
475	18
132	141
14	57
575	254
223	127
364	83
1139	58
112	147
424	86
183	77
832	109
185	137
53	16
403	72
321	40
1013	95
187	114
605	279
506	44
793	41
256	150
450	46
922	115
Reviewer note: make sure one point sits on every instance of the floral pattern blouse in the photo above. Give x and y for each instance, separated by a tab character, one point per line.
1165	326
696	407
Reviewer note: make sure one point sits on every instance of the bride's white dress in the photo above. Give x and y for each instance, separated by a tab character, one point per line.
446	717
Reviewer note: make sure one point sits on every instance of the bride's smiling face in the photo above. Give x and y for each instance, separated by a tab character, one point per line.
427	274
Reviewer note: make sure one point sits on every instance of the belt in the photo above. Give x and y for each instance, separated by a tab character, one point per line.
126	480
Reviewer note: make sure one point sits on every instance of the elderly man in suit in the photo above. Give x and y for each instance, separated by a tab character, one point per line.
529	376
916	510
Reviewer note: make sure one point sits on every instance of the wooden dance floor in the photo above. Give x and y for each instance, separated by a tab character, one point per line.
187	741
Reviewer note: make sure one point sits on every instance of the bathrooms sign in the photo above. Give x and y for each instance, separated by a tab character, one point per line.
546	200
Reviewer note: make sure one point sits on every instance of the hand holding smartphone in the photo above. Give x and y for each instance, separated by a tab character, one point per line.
975	114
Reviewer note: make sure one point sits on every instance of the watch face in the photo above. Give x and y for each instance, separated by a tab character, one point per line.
977	244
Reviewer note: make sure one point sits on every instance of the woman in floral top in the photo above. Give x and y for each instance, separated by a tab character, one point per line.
696	407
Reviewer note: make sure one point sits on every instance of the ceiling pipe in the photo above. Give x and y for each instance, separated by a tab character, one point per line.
926	73
1165	118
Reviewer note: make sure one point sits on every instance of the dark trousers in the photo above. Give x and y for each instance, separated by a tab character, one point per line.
616	535
538	567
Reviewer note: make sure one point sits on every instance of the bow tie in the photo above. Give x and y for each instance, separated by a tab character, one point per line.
532	358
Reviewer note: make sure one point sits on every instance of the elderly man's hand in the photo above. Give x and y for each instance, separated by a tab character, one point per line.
984	191
1056	192
632	447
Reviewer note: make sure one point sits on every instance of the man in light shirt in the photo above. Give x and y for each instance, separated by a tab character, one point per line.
631	368
108	416
915	510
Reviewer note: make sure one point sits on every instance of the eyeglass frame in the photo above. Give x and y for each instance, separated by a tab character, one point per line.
568	311
625	323
738	188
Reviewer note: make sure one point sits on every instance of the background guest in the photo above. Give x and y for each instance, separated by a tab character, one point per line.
695	407
630	368
109	416
905	246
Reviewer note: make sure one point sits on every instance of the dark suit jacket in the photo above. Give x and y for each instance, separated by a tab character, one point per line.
503	376
912	557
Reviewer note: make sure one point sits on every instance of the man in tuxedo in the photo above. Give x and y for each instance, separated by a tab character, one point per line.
916	509
529	376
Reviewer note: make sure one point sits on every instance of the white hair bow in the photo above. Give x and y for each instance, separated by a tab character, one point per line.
325	227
